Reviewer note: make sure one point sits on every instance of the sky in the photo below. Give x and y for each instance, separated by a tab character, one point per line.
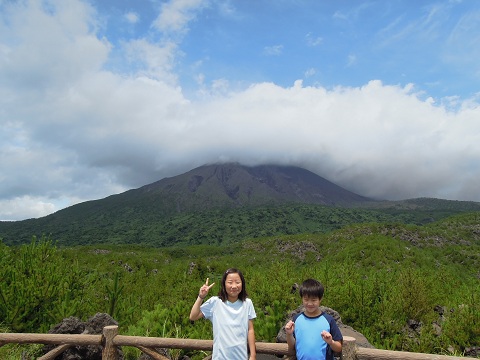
98	97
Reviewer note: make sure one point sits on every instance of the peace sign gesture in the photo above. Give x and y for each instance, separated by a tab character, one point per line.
205	289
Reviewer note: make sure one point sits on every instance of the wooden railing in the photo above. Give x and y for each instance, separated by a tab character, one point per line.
110	341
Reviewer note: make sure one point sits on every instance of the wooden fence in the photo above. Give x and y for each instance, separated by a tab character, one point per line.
110	340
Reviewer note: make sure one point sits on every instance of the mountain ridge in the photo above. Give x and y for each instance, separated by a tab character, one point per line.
239	185
223	203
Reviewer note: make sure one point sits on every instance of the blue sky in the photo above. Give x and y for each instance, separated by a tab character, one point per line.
98	97
326	43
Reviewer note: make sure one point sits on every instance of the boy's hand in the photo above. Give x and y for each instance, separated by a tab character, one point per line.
326	336
290	327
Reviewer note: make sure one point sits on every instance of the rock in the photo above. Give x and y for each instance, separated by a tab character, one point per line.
361	340
71	325
295	288
96	323
92	326
473	351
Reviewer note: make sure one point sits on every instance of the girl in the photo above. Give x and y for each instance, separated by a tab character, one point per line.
231	314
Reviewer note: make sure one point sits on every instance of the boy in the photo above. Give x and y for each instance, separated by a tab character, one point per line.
313	335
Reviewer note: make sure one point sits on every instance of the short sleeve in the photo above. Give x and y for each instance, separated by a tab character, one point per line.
251	310
207	307
335	331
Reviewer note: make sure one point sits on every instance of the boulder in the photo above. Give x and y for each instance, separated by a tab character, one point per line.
92	326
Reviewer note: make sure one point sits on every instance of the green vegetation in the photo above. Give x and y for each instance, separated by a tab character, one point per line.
378	276
147	222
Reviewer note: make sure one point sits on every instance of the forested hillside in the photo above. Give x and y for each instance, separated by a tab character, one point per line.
220	204
218	226
379	276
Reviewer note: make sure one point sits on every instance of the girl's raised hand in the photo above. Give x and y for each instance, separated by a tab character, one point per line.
205	289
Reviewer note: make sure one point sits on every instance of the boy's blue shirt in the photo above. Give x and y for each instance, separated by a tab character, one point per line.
309	344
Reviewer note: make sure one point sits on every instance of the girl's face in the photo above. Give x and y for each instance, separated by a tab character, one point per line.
233	286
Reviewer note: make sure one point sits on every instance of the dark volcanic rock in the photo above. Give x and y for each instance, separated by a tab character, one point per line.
92	326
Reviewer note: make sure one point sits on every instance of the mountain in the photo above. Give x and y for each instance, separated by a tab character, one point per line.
223	203
234	185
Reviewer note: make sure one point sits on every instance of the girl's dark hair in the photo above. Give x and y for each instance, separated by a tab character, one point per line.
222	293
311	287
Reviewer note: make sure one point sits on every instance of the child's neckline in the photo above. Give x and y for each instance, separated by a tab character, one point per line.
313	317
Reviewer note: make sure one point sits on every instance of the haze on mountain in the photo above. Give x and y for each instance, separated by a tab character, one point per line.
234	185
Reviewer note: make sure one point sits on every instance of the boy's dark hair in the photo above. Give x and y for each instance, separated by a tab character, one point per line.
222	293
311	287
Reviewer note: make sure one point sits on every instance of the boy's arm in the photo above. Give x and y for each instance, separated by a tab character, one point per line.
335	345
337	337
251	340
289	328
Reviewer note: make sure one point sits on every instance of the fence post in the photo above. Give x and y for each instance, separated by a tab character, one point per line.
109	351
348	348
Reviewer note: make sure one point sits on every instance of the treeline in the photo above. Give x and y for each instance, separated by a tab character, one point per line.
145	225
379	277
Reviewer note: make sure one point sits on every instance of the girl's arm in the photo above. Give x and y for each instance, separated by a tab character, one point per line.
196	313
251	341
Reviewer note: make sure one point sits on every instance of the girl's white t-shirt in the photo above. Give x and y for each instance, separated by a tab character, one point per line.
230	327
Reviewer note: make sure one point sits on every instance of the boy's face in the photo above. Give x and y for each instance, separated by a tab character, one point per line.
312	305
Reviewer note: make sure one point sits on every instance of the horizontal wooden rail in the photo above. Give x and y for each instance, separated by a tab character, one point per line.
50	339
376	354
191	344
158	342
110	340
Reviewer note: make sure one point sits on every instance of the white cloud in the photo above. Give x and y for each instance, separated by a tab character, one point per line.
310	72
462	47
41	50
381	141
313	41
351	60
339	15
176	14
132	17
226	8
152	60
273	50
25	207
73	131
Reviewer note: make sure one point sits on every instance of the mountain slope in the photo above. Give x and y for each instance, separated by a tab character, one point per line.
138	214
234	185
223	203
